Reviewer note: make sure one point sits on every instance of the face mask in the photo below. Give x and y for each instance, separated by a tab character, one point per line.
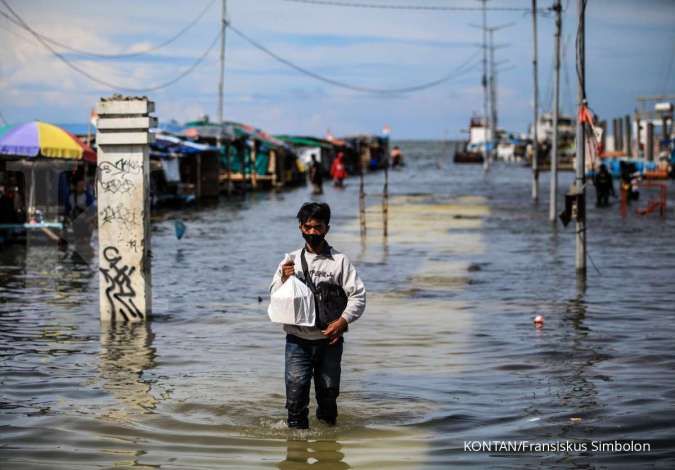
313	240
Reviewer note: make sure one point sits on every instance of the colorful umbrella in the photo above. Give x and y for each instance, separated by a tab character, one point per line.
37	138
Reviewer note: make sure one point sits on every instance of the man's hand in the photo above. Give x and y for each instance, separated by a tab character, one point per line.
287	270
335	329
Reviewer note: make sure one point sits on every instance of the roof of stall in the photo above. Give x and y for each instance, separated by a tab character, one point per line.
232	130
305	141
167	145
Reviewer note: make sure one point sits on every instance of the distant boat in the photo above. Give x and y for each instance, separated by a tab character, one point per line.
475	147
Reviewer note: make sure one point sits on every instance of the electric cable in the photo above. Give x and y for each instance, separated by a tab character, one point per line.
383	6
457	72
104	82
115	56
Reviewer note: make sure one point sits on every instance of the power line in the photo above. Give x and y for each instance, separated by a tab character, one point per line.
462	69
458	71
91	77
114	56
383	6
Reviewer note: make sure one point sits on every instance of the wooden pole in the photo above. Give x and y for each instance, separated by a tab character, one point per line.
553	201
385	201
535	117
362	200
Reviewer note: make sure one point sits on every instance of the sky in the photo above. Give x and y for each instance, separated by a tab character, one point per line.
630	47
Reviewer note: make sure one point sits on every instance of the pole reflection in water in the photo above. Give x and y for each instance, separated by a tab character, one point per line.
126	353
326	455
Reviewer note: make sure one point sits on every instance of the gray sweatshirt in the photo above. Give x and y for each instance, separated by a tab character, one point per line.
332	266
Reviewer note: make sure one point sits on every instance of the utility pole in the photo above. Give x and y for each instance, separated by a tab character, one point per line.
493	93
219	143
553	201
535	143
581	143
493	84
486	121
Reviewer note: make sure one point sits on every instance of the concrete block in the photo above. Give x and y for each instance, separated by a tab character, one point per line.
124	138
125	107
143	123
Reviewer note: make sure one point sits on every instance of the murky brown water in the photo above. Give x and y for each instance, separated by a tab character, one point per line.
445	353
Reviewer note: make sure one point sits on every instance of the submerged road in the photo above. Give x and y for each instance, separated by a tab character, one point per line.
445	354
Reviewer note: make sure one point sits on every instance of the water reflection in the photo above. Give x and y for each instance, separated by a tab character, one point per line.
578	392
326	455
126	353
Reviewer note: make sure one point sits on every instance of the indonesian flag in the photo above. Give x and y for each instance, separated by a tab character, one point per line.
386	130
93	117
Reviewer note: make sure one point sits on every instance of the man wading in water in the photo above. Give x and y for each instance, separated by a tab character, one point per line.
316	351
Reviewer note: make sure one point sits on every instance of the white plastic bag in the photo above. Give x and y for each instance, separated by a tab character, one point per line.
292	304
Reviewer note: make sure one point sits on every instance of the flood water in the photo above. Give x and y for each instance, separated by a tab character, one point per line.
445	353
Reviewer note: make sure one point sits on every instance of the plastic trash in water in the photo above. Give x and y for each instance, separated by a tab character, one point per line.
180	228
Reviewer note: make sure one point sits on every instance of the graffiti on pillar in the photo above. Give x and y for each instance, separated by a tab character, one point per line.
119	213
117	177
120	293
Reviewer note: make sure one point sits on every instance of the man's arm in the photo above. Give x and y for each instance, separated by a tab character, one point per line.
355	290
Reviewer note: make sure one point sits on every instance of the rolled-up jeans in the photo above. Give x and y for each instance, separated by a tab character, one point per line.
306	359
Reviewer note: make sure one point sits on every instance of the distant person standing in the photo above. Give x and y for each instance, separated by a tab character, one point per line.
604	187
76	207
316	176
338	171
396	157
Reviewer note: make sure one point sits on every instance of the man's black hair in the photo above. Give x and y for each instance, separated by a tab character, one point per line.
314	210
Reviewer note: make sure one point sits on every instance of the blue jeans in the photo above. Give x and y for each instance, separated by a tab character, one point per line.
306	359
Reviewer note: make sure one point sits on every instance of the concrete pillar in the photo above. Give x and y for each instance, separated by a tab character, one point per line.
628	136
649	145
615	134
619	138
123	187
